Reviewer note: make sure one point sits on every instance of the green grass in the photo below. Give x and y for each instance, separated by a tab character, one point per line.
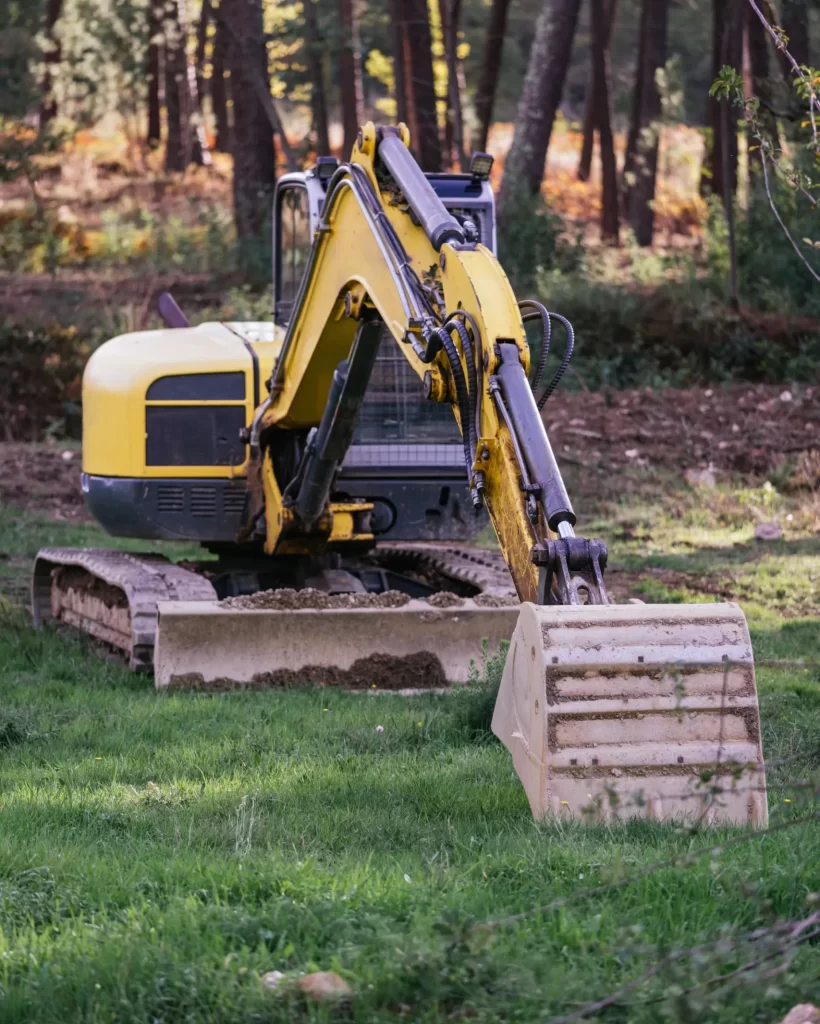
158	852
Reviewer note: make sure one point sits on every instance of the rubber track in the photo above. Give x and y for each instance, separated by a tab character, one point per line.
144	579
485	570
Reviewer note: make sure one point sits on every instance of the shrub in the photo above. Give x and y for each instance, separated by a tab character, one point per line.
40	380
532	241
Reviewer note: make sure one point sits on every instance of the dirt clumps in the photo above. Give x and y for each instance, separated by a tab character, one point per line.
312	600
419	671
496	600
445	599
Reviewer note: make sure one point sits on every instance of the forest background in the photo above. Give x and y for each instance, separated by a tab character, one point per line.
140	139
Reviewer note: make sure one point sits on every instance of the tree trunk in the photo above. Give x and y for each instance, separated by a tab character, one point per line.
201	46
796	26
760	86
52	58
490	68
450	11
634	133
219	91
175	105
593	101
194	140
350	74
641	193
314	48
155	71
543	85
254	160
601	28
727	42
415	90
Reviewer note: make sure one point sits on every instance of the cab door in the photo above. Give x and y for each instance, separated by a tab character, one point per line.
293	236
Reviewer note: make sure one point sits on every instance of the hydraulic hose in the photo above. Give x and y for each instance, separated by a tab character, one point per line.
538	311
559	373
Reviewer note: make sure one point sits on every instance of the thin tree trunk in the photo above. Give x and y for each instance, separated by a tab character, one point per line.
634	133
253	153
592	101
155	71
52	58
760	86
490	68
413	61
727	44
318	96
450	11
641	194
175	106
194	141
600	90
401	85
796	26
253	48
219	91
543	85
201	47
350	74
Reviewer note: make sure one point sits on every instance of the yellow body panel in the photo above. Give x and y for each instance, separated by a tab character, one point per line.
119	374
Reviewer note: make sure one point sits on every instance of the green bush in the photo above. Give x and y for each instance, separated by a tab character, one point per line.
40	380
674	335
532	240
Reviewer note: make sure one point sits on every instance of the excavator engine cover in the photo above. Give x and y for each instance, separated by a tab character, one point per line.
617	711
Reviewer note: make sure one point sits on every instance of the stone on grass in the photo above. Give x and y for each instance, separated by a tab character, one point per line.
768	531
804	1013
701	477
324	987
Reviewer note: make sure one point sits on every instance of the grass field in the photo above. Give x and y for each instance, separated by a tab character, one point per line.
158	853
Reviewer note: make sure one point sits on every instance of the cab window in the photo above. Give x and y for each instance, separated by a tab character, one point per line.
293	248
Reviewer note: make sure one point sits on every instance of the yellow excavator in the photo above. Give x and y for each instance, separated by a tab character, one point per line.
339	524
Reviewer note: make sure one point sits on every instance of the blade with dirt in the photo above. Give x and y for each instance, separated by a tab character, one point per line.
416	645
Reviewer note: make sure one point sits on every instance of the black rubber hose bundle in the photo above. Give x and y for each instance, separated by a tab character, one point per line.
559	373
538	312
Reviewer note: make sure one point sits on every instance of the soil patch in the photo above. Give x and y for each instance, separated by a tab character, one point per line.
747	429
44	479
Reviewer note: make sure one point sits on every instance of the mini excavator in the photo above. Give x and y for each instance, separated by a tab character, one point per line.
339	555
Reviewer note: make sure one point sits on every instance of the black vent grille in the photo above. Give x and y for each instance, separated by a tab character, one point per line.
203	502
170	498
233	500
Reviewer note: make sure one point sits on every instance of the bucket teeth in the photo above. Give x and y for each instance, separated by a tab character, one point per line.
634	710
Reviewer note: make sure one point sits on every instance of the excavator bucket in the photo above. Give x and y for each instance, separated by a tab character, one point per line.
356	641
617	711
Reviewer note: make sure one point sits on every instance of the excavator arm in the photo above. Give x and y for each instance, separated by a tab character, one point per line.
387	252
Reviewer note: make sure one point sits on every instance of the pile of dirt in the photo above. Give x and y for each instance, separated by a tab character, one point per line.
444	599
495	600
310	599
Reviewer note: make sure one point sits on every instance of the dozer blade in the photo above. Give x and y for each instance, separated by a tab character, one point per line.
416	645
617	711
